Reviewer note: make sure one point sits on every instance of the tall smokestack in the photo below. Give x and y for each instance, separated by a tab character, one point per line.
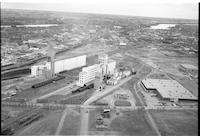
51	57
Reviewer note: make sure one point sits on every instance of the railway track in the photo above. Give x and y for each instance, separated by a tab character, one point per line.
14	124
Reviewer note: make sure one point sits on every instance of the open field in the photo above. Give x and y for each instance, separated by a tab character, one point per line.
122	103
144	72
122	123
101	131
176	122
130	62
132	123
71	125
51	99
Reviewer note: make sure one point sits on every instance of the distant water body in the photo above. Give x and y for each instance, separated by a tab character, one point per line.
43	25
162	26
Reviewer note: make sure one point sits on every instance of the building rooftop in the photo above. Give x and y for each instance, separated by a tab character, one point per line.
122	43
169	88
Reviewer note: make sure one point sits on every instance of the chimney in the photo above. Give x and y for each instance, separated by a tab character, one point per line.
51	58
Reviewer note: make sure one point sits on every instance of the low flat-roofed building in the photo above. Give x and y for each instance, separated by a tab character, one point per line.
168	89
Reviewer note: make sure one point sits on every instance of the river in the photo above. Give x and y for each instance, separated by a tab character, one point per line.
162	26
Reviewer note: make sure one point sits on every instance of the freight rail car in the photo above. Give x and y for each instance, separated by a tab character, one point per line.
21	121
43	83
86	86
17	100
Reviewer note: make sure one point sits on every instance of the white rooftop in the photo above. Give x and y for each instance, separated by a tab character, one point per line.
189	66
169	88
122	43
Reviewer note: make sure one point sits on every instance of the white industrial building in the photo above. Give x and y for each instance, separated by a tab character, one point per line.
104	67
111	65
59	65
38	69
88	74
168	89
98	81
69	63
107	65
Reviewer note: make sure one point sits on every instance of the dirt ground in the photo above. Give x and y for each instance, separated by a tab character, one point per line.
177	122
71	125
157	76
100	131
132	123
122	123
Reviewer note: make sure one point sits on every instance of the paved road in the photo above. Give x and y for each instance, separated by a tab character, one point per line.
62	91
105	92
84	121
153	124
60	125
40	105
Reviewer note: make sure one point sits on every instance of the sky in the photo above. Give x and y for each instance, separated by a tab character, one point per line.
187	9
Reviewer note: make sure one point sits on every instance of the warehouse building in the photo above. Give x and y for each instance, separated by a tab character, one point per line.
69	63
59	65
105	66
168	89
88	74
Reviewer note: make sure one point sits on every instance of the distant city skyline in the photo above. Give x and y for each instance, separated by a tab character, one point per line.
120	7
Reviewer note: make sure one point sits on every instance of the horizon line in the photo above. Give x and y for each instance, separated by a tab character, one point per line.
99	13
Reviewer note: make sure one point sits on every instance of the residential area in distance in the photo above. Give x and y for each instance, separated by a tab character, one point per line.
68	73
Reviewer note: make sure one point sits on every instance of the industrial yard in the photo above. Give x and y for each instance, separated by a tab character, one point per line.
111	76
